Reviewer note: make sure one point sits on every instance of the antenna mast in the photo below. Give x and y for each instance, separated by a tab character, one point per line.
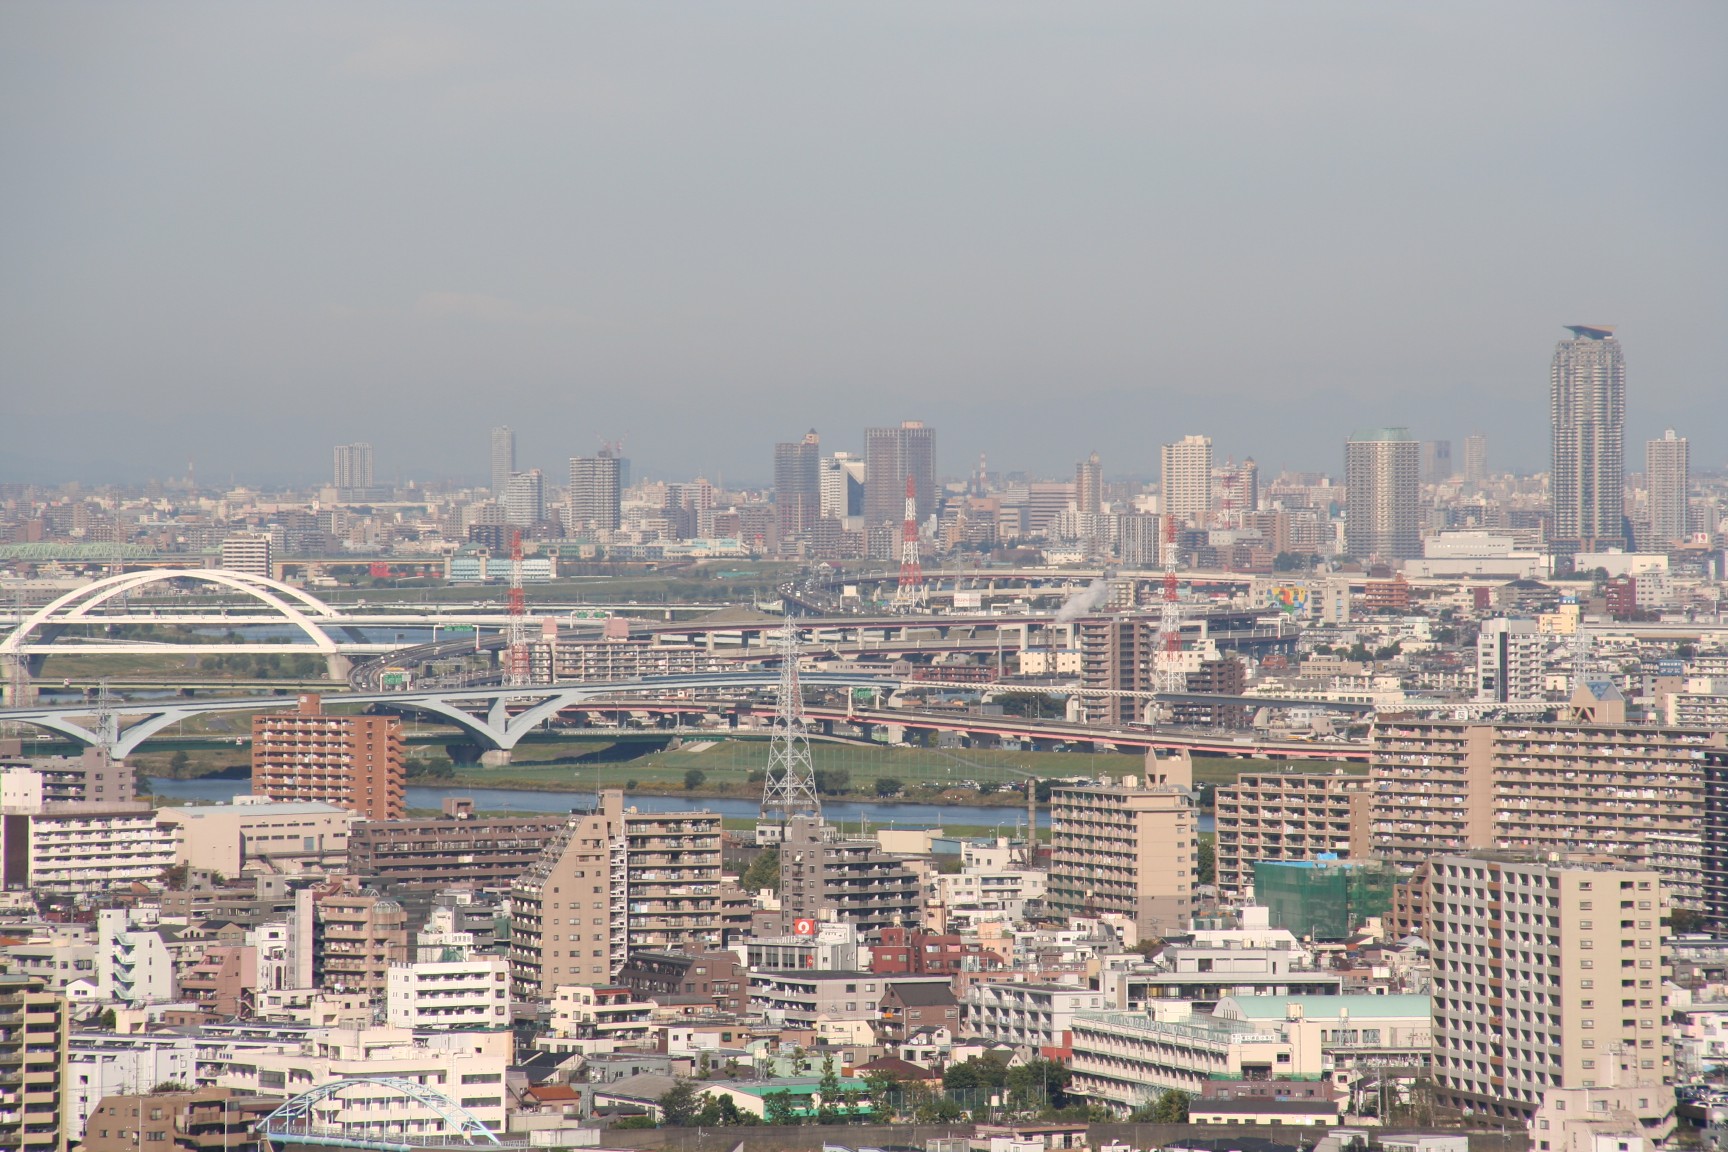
910	593
518	670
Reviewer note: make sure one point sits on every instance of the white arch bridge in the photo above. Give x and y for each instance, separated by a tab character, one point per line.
107	602
414	1117
496	718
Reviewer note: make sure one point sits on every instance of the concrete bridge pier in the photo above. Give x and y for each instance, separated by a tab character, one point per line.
495	757
338	666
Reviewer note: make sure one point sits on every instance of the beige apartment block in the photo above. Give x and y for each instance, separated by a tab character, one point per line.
33	1033
1129	847
1631	792
612	880
1548	974
1288	816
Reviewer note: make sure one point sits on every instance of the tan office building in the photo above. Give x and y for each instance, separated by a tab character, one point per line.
1128	847
1547	975
1288	816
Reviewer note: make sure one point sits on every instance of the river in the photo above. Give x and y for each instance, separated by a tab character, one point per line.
211	790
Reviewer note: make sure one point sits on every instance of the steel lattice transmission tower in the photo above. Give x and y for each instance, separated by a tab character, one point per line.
910	592
790	788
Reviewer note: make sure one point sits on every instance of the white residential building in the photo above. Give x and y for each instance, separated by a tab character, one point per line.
83	849
425	994
1509	661
467	1067
1031	1016
132	963
102	1064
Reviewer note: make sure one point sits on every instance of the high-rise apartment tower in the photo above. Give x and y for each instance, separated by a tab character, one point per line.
503	459
1382	509
596	493
891	455
798	482
1187	479
1668	478
1587	398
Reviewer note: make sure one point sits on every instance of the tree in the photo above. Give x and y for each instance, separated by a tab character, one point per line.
884	1091
1206	868
721	1111
764	872
888	786
167	1086
988	1072
1171	1107
777	1108
177	763
679	1105
833	781
693	779
1038	1084
827	1112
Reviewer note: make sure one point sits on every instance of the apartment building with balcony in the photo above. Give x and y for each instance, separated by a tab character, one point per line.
205	1120
1037	1018
33	1028
614	880
1124	1060
1547	974
442	995
1632	792
801	999
594	1021
357	936
825	876
132	962
352	761
83	849
1287	816
1128	847
440	853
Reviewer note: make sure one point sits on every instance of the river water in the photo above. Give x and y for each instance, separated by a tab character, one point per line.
843	812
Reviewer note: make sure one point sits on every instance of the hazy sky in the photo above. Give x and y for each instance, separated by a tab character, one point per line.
241	233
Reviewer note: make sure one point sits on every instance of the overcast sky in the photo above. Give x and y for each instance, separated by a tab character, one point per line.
241	233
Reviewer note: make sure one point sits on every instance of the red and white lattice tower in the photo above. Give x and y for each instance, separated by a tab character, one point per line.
910	592
1170	618
518	668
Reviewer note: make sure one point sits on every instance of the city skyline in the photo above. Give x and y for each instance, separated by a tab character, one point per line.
1102	260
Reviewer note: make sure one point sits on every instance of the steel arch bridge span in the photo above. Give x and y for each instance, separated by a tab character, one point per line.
297	1121
294	605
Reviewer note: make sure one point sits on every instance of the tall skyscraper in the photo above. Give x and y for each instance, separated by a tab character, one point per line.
1436	461
1089	485
1476	458
1587	399
525	498
1187	479
353	466
596	493
891	455
1668	479
1381	508
842	486
503	459
798	482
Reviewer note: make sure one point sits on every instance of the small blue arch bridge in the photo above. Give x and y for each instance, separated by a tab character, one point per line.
385	1113
496	718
